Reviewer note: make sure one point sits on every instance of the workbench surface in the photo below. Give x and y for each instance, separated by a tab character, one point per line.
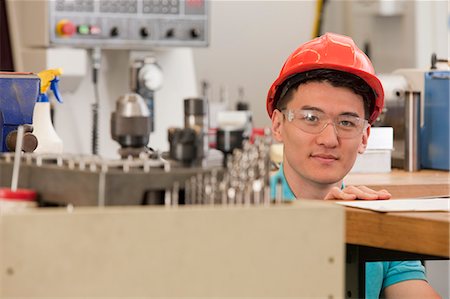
403	184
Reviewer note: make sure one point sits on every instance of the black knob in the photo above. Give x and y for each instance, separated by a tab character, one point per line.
170	33
144	32
195	33
114	31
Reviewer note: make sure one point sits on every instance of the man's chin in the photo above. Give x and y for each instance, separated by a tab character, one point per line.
327	178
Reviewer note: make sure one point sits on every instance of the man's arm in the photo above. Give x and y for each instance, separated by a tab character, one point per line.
356	192
411	289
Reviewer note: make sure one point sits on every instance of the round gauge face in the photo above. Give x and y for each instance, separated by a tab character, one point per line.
151	77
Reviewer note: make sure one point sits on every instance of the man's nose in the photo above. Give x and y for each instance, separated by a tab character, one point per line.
328	136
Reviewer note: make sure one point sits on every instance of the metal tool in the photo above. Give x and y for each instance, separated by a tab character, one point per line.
130	125
189	145
245	180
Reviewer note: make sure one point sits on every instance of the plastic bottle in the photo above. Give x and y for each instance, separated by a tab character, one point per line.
48	141
17	201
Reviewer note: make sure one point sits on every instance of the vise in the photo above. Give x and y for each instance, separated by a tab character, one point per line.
18	95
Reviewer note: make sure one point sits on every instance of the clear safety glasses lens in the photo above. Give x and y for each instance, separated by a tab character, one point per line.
314	122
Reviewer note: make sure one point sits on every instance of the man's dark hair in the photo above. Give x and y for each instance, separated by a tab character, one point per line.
335	78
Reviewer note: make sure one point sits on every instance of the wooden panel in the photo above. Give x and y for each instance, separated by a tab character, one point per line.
424	233
189	252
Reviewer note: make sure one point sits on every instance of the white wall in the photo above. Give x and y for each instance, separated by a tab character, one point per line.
401	34
249	42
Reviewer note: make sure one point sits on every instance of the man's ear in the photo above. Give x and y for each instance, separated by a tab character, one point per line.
277	124
363	145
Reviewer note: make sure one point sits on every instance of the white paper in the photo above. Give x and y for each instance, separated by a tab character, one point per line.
401	205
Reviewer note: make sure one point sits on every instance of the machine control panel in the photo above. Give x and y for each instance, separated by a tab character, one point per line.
128	24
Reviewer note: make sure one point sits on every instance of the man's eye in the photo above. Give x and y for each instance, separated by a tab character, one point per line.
347	123
311	118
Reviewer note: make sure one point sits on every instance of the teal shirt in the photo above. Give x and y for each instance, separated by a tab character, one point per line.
379	275
288	195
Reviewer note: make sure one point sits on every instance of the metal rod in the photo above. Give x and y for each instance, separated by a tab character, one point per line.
16	167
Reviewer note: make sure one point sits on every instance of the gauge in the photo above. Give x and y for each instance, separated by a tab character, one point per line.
150	76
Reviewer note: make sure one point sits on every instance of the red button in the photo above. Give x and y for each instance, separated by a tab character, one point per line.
68	29
65	28
194	3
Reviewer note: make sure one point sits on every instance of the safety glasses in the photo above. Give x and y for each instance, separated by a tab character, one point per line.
314	122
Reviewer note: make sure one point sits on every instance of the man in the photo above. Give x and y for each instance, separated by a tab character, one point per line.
322	105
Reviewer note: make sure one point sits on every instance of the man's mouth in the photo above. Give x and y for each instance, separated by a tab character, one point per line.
325	157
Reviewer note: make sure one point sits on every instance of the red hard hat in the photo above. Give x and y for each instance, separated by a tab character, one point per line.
329	51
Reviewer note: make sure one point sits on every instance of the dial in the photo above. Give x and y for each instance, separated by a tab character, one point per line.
151	76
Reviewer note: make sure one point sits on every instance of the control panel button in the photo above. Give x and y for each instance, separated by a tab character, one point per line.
95	30
114	32
144	32
65	28
83	29
195	33
170	33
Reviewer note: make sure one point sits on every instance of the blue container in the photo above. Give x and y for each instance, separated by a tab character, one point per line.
434	135
18	94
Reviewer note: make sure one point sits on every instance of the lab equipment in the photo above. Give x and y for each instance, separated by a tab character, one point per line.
113	24
190	144
63	33
183	145
146	179
20	92
130	125
418	109
196	117
146	77
127	24
435	132
57	178
246	177
228	139
232	130
412	133
243	105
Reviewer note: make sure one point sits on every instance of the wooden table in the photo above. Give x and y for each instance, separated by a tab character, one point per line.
403	184
373	236
425	233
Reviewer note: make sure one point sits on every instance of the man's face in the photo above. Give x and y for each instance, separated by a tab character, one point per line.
322	158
